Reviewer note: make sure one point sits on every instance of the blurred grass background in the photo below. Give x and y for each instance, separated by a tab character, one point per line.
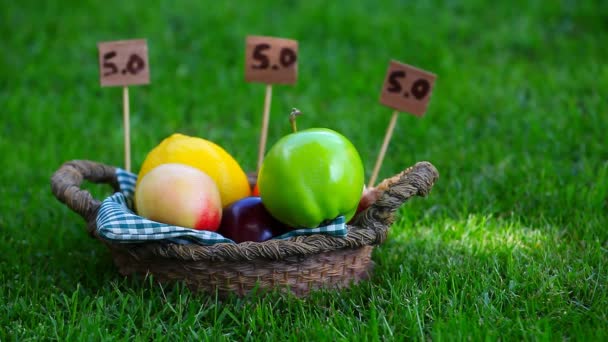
512	243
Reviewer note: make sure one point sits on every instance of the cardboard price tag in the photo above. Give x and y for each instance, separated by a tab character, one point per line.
123	62
271	60
407	89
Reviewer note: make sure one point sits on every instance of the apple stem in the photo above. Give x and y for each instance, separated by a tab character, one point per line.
292	118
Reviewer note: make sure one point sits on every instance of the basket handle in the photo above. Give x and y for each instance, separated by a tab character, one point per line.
66	182
417	180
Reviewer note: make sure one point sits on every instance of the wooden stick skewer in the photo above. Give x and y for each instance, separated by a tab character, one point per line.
127	128
265	119
387	139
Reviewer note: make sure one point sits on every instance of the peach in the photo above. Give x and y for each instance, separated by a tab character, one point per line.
179	195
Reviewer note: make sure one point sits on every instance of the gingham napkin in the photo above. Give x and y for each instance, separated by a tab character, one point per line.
117	222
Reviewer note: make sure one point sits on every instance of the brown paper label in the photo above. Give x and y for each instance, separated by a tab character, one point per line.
123	62
271	60
407	89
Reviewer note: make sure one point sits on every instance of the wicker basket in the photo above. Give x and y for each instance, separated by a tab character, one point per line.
300	264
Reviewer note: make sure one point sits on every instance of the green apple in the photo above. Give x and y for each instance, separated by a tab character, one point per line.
311	176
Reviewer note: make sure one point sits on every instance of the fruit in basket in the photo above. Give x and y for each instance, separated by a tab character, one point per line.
311	176
256	191
205	156
369	196
248	220
179	195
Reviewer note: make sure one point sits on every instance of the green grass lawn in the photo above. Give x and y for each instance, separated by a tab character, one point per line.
511	244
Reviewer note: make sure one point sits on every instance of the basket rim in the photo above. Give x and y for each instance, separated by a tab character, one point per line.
368	228
249	250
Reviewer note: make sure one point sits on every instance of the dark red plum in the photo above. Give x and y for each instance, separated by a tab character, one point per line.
248	220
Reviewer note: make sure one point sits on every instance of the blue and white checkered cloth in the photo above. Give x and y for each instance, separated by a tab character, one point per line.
117	222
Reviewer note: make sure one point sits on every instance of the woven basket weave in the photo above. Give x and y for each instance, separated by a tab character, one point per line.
300	264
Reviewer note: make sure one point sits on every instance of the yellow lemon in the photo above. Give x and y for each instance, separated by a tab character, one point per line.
204	155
